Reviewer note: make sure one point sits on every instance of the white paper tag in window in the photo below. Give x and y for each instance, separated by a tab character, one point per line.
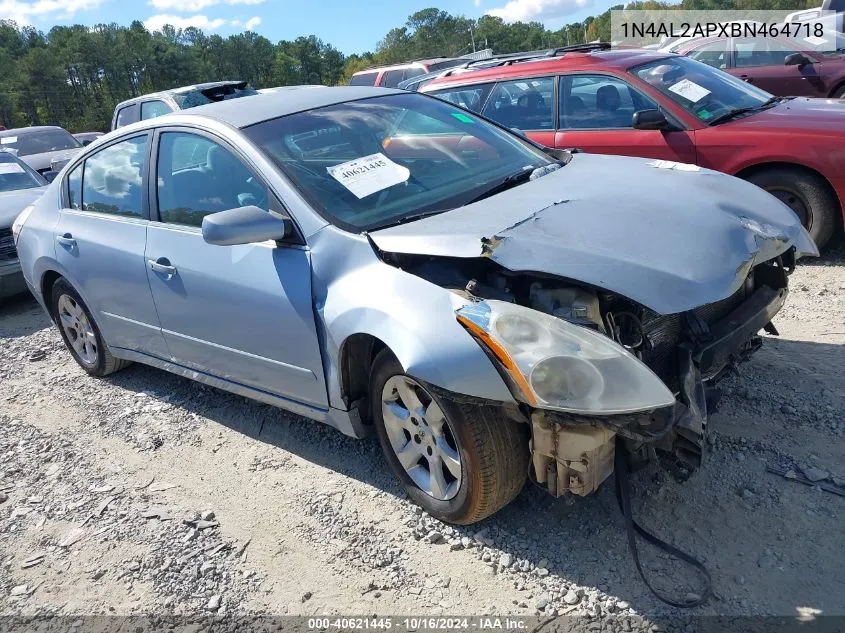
815	41
11	168
8	140
369	174
689	90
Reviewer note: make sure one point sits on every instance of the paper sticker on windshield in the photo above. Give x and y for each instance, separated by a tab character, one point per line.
8	140
689	90
11	168
369	174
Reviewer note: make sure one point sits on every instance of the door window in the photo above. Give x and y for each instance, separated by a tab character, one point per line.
761	52
197	177
715	54
599	102
152	109
112	179
393	78
74	187
127	115
467	97
364	79
526	104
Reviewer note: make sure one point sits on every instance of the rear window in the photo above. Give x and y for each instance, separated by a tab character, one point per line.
193	98
363	79
39	142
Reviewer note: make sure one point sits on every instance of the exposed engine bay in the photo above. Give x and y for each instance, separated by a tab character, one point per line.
689	352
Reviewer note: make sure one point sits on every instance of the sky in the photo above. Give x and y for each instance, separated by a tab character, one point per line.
350	26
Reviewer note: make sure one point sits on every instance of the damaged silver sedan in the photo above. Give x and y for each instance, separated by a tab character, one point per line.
374	259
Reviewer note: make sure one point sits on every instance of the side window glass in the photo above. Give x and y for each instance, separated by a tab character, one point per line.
74	187
197	177
152	109
599	102
526	104
393	78
469	97
365	79
113	179
714	54
127	115
751	52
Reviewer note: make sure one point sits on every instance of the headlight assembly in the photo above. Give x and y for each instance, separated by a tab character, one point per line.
562	366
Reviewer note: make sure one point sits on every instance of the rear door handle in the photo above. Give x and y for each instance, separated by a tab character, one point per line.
162	265
747	78
66	240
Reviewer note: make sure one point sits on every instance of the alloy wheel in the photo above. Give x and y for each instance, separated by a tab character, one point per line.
78	330
421	437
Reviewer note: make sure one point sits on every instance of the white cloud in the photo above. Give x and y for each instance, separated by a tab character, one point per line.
181	5
477	3
250	24
157	22
22	11
186	6
538	10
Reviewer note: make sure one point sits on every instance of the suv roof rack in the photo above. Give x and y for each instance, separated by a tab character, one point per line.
579	48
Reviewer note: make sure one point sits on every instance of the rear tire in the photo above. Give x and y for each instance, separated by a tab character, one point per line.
493	450
839	93
80	332
800	189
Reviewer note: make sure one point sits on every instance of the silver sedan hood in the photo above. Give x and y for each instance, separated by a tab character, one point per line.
13	202
667	238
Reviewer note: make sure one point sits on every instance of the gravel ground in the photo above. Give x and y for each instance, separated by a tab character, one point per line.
146	493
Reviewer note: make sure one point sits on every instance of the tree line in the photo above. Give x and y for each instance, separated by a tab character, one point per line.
73	76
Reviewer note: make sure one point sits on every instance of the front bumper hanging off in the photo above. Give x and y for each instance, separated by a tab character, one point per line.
574	453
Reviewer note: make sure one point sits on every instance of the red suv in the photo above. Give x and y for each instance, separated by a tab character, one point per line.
660	105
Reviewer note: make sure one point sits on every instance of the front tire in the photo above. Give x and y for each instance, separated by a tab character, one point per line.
461	462
80	332
807	194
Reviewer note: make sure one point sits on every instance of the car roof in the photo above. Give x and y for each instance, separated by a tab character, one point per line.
619	58
242	113
22	131
180	90
410	64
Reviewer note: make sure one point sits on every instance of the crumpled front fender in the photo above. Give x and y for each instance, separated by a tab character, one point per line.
356	293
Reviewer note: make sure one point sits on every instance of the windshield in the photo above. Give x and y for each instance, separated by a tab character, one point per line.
38	142
369	163
701	90
16	175
194	98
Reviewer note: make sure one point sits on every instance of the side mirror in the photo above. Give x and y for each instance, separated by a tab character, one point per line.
87	142
797	59
650	120
244	225
50	176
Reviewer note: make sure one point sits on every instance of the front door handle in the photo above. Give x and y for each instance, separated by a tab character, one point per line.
162	265
747	78
66	240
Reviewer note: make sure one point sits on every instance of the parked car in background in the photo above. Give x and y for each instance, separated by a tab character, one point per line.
363	256
20	186
392	76
780	66
659	105
158	103
86	138
44	148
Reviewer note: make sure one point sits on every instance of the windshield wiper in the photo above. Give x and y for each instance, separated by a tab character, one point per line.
524	175
732	114
406	218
